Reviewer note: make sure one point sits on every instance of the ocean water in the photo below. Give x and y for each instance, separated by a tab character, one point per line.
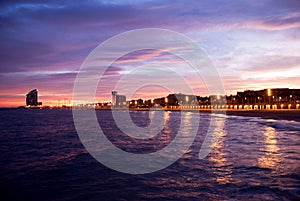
42	158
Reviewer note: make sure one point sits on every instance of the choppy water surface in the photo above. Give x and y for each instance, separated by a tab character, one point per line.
42	158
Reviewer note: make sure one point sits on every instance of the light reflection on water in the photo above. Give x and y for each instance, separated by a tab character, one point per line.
42	158
219	158
272	157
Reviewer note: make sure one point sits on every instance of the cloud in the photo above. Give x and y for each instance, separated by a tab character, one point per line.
273	24
140	55
113	70
270	64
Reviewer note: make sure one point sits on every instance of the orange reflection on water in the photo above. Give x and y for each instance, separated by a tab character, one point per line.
167	125
272	157
219	158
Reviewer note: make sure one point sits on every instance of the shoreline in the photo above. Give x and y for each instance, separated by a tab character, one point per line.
276	114
290	115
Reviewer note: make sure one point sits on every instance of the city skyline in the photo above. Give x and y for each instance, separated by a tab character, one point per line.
271	98
253	44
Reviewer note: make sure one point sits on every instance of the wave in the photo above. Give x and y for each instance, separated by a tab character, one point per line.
282	124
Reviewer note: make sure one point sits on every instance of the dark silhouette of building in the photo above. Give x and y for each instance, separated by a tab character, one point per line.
276	98
265	96
32	98
160	101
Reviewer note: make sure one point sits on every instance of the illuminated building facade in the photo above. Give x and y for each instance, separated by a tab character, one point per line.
117	100
277	98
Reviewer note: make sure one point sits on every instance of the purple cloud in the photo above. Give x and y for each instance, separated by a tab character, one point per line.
39	37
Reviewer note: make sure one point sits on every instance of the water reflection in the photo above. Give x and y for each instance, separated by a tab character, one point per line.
167	116
187	117
167	127
222	167
272	157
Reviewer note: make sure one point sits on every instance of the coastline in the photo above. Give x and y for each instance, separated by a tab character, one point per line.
276	114
290	115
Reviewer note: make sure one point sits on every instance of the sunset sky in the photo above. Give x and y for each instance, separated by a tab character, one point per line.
254	44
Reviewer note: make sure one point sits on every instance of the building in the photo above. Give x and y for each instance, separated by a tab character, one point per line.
181	99
117	100
265	96
113	97
32	98
276	98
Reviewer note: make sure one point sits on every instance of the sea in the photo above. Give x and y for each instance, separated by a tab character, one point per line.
42	157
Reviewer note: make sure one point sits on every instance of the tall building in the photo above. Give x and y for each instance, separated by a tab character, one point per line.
32	98
113	97
117	100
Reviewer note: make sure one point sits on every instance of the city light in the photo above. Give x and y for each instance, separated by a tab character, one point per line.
269	92
187	99
264	99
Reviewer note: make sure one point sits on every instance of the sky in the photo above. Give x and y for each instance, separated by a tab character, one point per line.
253	44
